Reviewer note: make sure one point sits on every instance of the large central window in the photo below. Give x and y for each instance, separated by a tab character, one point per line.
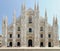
30	20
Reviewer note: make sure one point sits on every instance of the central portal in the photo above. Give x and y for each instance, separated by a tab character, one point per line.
30	43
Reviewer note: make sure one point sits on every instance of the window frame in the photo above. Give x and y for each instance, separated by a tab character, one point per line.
30	29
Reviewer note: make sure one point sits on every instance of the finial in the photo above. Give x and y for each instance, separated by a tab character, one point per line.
35	7
53	20
6	18
45	12
14	12
56	20
23	5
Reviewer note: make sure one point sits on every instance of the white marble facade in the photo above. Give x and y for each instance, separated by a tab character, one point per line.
30	29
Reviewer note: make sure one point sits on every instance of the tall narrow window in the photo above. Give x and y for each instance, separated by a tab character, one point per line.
41	35
18	44
49	44
30	20
49	35
10	44
10	35
18	28
30	29
41	28
18	35
30	43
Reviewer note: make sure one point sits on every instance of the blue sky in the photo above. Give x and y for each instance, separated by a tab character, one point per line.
7	8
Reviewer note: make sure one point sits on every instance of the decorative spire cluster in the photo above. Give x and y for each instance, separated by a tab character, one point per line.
36	7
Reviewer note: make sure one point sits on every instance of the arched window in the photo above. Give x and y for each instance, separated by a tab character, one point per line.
18	28
30	43
49	35
41	35
41	28
30	29
18	35
10	44
10	35
18	44
49	44
30	20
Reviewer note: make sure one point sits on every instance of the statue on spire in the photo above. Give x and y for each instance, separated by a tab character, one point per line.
45	15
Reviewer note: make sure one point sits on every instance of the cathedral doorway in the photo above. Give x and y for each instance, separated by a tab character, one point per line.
10	44
30	43
49	44
18	44
41	44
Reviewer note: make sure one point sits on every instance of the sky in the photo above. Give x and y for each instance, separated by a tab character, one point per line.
7	8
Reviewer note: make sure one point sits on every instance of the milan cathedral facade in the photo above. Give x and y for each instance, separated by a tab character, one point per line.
30	29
